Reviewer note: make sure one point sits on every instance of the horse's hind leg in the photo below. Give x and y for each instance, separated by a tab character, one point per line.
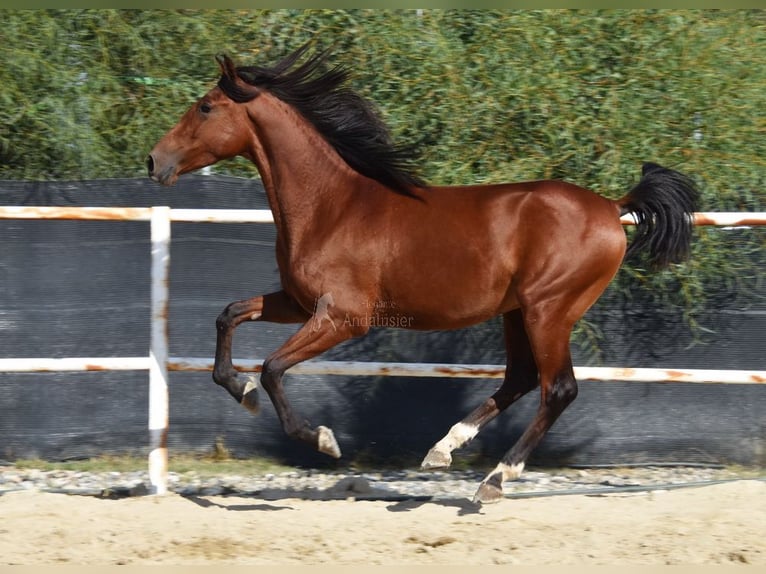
275	307
549	337
520	378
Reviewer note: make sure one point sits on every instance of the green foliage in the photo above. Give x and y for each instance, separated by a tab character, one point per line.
490	95
203	465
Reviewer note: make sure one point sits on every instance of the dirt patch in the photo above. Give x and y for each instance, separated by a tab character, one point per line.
721	524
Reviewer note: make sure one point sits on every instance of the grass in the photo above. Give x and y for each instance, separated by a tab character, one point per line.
205	465
218	461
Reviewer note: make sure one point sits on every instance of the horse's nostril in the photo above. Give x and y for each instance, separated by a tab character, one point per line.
150	164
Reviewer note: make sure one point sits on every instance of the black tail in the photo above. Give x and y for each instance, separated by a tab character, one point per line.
662	202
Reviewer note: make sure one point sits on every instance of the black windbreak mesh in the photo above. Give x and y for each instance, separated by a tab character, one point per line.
81	288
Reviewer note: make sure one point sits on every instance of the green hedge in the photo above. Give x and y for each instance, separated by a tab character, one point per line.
491	95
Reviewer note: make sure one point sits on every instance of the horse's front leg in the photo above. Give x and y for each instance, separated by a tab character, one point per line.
276	307
315	337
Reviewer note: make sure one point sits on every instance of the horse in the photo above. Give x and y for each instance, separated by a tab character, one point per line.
363	239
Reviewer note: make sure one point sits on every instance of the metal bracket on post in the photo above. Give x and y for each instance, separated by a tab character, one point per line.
158	362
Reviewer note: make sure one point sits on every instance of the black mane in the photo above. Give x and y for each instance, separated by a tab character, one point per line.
346	120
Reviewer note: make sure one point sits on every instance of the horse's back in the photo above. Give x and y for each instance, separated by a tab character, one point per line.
555	230
550	211
487	240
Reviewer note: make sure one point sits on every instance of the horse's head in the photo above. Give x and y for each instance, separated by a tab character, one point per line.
214	128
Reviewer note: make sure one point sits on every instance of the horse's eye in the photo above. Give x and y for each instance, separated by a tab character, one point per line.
205	108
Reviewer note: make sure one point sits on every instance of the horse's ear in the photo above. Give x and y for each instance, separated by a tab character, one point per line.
235	87
227	66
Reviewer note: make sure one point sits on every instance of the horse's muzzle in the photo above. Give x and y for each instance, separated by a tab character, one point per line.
165	176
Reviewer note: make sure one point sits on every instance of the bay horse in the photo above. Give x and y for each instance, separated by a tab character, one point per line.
359	232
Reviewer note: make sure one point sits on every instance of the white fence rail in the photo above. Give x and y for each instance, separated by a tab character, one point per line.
371	368
158	363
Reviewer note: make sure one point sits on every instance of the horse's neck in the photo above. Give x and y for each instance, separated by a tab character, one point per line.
304	176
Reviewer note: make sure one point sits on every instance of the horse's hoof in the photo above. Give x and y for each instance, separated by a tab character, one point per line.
326	442
250	396
487	494
436	459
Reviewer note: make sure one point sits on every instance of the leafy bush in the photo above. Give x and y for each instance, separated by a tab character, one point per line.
490	95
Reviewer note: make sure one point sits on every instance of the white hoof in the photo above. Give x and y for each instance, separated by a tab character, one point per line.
250	395
327	443
488	493
436	459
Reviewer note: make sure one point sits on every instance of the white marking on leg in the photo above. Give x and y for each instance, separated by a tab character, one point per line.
250	395
255	316
458	435
509	471
440	455
326	442
251	385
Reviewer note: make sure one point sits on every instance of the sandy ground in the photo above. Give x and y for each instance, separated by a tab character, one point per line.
721	524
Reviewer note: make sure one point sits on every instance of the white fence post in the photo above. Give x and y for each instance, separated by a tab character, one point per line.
158	364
